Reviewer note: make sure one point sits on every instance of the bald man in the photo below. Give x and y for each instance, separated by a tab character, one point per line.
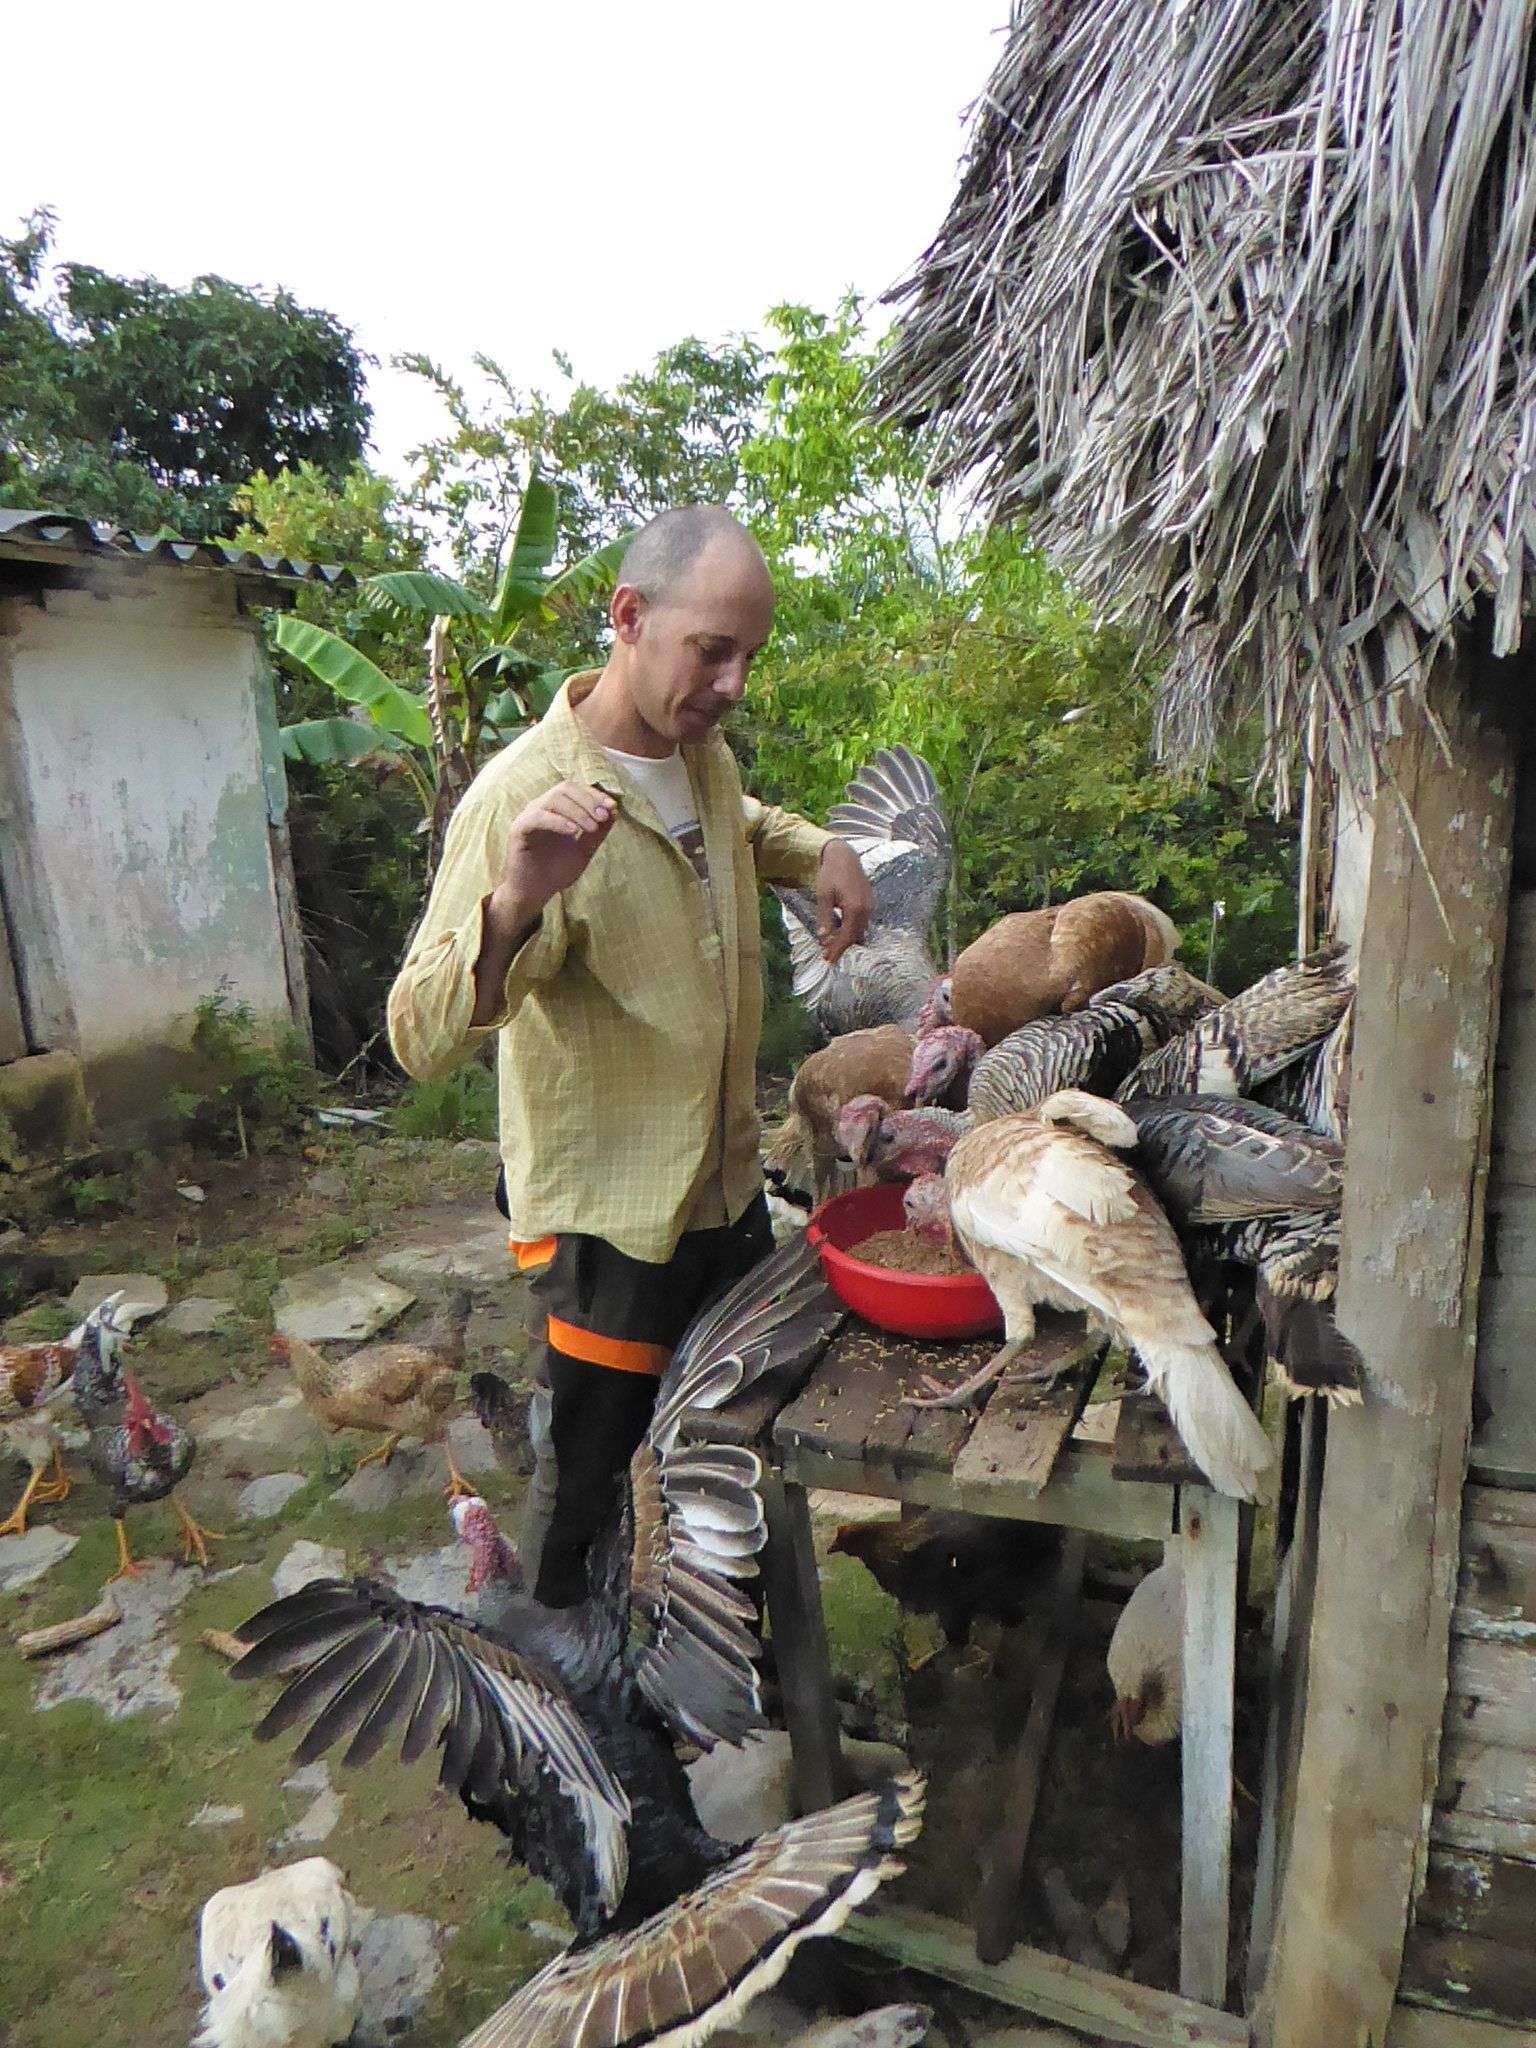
597	908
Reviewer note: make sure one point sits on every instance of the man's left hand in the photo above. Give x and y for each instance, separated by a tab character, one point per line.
844	900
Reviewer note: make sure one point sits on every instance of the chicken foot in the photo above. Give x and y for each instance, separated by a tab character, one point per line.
458	1487
384	1451
194	1537
961	1396
128	1566
40	1492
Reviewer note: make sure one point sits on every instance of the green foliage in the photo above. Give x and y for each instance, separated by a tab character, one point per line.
256	1094
149	405
457	1105
98	1194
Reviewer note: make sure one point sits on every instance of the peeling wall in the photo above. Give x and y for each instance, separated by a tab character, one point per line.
138	862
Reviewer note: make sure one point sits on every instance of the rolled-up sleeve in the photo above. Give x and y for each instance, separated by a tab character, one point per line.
785	848
433	997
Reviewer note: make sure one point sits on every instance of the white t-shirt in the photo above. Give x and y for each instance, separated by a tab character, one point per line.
670	794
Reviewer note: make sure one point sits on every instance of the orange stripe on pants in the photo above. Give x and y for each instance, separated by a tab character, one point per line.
537	1252
617	1352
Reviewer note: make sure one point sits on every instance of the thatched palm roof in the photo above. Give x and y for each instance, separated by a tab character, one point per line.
1235	307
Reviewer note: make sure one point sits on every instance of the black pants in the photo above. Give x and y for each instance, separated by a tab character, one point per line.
612	1323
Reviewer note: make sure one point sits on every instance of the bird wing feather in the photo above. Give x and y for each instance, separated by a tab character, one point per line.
1215	1161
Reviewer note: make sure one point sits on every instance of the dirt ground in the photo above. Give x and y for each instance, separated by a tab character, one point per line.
102	1869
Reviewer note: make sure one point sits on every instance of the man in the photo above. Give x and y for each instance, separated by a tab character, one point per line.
597	906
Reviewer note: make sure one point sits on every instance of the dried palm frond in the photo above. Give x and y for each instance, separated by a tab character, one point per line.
1235	303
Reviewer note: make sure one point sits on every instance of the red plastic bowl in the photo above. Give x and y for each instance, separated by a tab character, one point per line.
911	1304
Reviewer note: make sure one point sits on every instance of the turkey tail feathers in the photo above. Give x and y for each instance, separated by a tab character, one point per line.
693	1968
1310	1353
1219	1429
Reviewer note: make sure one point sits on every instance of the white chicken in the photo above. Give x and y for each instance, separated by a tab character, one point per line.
279	1962
1146	1657
1048	1216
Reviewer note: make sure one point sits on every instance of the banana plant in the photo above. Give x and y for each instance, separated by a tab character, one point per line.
480	687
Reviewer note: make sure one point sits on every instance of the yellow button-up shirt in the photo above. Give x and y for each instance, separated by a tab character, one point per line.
630	1018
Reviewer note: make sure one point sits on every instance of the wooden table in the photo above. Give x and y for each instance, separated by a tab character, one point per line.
846	1424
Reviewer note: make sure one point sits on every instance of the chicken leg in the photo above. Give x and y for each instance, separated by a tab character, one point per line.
194	1537
38	1490
961	1396
127	1566
384	1451
458	1487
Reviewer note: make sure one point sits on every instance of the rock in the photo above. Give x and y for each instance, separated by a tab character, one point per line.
306	1561
479	1148
210	1816
1030	2037
474	1451
189	1191
546	1930
742	1792
25	1558
398	1961
414	1469
281	1426
268	1495
478	1259
892	2026
324	1810
343	1301
127	1670
440	1577
198	1315
144	1295
771	2021
329	1184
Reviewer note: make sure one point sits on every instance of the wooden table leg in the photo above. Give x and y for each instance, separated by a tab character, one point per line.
1208	1525
800	1644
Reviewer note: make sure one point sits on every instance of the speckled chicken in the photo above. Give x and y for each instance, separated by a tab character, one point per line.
1255	1035
1049	1215
408	1386
1243	1183
33	1378
893	817
144	1458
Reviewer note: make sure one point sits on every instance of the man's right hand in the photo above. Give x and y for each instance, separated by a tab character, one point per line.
552	842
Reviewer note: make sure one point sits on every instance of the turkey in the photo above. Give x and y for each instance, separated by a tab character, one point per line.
1243	1183
558	1725
1093	1048
893	817
804	1149
1048	1215
898	1144
1254	1036
1315	1090
1034	963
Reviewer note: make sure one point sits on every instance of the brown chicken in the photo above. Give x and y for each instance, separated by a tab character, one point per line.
1034	963
805	1148
407	1387
956	1567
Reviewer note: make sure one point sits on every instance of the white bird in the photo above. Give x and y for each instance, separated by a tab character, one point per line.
279	1961
891	2026
1146	1657
1049	1216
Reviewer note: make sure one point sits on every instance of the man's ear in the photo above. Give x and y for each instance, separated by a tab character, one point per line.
626	609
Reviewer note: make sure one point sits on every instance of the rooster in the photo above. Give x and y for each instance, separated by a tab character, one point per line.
1048	1215
32	1378
142	1458
407	1387
278	1957
558	1725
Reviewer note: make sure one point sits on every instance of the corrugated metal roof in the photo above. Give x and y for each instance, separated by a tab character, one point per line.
70	533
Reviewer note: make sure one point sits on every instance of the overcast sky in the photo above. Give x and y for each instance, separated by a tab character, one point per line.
511	179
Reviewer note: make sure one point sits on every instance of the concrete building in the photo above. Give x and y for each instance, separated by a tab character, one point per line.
143	839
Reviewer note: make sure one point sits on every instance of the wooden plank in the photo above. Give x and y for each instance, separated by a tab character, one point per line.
1019	1437
1485	1836
1463	1973
1501	1506
1070	1993
1149	1449
858	1388
1493	1688
1469	1893
1426	1021
1505	1440
1415	2026
748	1419
793	1594
1208	1527
13	1026
1081	1494
1487	1778
1002	1861
1496	1596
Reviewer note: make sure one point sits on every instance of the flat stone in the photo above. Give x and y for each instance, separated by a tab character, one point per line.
413	1470
1029	2037
440	1577
268	1495
770	2021
472	1445
319	1819
198	1315
25	1558
210	1816
306	1561
281	1425
477	1259
332	1304
743	1791
144	1294
128	1669
398	1961
329	1184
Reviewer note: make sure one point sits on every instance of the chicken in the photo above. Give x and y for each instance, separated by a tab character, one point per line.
893	817
1245	1184
1048	1214
408	1387
278	1957
890	2026
956	1567
558	1725
1034	963
1255	1035
144	1458
1146	1655
805	1147
32	1378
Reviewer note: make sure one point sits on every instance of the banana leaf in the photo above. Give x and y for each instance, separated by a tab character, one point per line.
329	742
587	580
353	676
533	549
424	590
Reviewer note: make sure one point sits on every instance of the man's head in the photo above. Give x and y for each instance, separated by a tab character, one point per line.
693	605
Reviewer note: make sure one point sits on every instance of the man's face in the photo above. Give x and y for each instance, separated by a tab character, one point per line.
692	651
